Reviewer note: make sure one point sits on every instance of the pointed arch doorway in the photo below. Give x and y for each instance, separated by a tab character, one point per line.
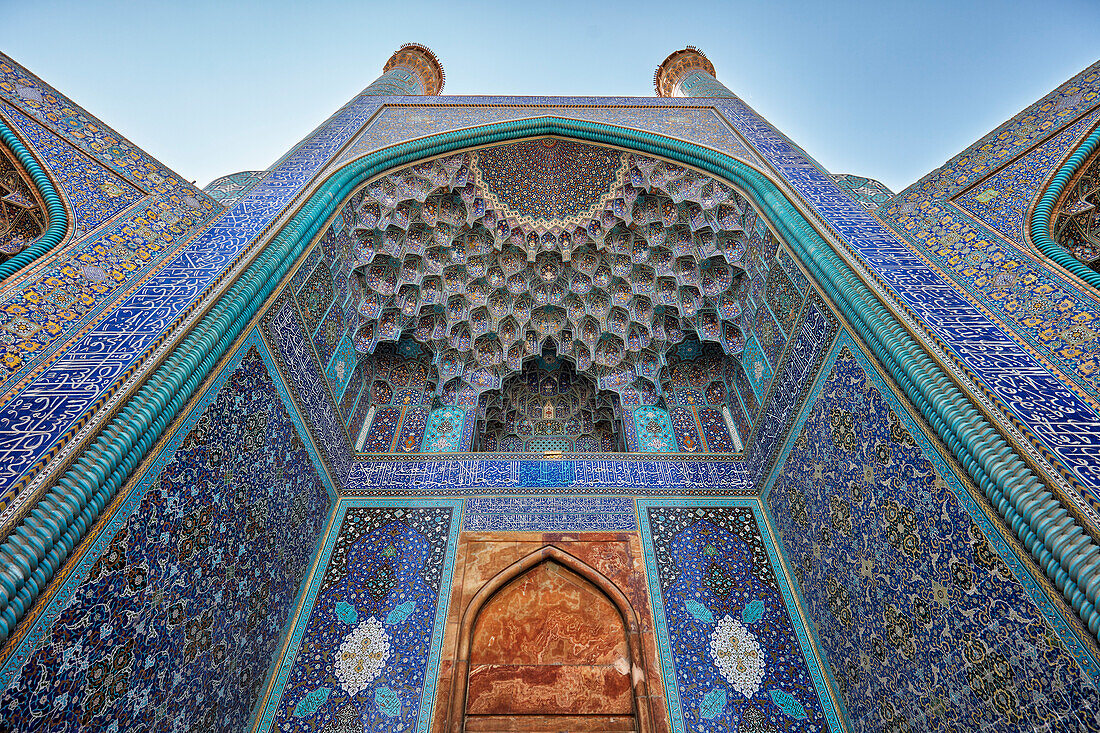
549	645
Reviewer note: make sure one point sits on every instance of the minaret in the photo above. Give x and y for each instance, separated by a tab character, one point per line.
413	70
688	73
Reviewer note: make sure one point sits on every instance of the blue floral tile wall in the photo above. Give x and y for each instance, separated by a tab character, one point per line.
654	431
171	617
733	660
759	373
929	619
363	656
445	430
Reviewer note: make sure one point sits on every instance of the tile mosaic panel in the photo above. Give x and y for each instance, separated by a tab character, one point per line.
686	430
654	430
1006	352
170	617
413	424
100	175
363	655
382	429
1002	199
930	619
716	432
734	651
306	264
630	432
474	476
154	290
444	433
549	514
282	328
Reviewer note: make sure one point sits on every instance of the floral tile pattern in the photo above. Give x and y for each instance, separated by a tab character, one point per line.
726	624
929	619
365	658
171	617
444	433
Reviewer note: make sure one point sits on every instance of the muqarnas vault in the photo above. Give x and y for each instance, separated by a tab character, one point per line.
548	414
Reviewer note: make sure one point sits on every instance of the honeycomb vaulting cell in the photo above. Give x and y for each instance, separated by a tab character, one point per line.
488	256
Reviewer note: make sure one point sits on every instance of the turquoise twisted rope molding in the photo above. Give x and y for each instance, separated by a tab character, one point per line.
1040	218
44	540
57	223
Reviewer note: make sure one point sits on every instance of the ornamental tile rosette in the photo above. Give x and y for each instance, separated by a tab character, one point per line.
736	653
362	656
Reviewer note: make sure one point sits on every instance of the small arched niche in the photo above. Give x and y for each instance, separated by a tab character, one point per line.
549	645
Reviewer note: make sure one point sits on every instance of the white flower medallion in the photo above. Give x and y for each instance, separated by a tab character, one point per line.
362	656
737	655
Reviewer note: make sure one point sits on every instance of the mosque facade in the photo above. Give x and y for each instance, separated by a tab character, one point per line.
548	414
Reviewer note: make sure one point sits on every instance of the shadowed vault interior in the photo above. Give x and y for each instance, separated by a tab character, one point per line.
533	414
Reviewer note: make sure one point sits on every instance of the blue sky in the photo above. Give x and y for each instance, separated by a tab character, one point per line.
883	89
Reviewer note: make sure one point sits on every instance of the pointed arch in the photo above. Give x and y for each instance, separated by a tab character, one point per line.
1067	555
502	580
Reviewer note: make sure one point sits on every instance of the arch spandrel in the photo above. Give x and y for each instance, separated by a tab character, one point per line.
691	121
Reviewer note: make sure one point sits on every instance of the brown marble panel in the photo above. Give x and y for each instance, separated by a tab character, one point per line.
549	690
549	616
479	557
549	724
